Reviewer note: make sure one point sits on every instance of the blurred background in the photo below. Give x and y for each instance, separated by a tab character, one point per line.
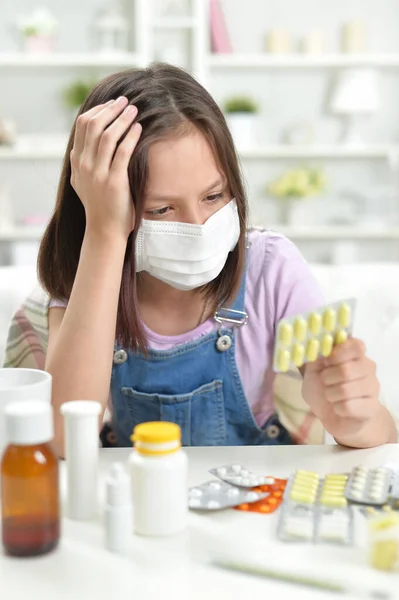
309	89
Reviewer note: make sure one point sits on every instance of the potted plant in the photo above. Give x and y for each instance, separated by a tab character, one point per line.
241	116
294	186
38	31
75	94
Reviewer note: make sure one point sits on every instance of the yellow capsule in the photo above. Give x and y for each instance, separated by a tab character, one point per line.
305	485
315	323
298	355
312	474
312	351
300	329
336	477
335	493
285	334
329	319
283	361
341	336
340	502
344	315
327	344
303	497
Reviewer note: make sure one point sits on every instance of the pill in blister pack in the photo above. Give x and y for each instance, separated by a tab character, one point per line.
216	495
269	504
334	525
316	509
394	494
369	486
304	338
240	476
296	523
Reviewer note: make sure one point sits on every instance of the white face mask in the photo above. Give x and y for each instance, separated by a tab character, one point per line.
187	256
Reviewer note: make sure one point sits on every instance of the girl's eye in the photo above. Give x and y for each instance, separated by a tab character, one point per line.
159	212
214	197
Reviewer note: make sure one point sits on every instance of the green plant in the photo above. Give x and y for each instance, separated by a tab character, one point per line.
76	93
40	22
302	182
240	104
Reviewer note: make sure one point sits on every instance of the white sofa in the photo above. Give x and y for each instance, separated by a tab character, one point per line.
375	285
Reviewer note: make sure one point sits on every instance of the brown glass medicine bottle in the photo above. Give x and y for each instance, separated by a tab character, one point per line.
29	481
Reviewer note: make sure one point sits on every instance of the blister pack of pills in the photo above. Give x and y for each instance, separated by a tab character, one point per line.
216	495
267	505
306	337
240	476
369	486
316	510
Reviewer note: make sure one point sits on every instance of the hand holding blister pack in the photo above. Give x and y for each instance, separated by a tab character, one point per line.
304	338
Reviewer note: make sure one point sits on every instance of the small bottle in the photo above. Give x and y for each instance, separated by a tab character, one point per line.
29	481
159	479
118	510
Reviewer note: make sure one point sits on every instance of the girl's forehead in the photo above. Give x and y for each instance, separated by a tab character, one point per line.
184	156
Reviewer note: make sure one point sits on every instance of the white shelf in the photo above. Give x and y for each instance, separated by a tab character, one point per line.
53	147
312	234
35	147
174	23
320	151
22	234
345	232
72	59
301	61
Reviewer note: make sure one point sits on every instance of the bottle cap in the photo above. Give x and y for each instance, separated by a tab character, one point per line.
80	408
156	432
29	422
157	438
118	486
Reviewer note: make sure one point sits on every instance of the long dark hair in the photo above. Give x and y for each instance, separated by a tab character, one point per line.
168	100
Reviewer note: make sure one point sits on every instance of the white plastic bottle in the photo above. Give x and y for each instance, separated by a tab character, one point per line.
118	510
81	426
159	479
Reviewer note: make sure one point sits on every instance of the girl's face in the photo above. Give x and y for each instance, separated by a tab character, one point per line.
184	182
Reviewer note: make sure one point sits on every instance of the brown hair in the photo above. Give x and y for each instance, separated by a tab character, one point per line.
168	99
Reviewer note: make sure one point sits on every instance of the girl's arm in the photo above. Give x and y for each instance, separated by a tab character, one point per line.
81	337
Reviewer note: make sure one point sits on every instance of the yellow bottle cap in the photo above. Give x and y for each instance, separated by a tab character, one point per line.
156	432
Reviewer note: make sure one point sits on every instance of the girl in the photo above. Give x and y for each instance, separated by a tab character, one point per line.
160	299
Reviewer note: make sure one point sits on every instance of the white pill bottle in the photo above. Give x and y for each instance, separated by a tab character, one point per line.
158	468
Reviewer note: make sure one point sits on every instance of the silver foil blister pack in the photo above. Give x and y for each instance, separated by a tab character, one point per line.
238	475
369	486
217	494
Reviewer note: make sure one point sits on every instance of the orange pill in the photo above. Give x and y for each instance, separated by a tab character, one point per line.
264	508
244	506
277	494
272	501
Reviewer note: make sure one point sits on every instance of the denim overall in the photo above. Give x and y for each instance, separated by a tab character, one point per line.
196	385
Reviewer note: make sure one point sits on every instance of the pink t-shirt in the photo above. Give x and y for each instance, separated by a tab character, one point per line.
279	284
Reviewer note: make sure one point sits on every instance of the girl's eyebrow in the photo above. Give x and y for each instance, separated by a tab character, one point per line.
164	198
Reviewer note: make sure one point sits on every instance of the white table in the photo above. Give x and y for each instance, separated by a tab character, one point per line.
177	567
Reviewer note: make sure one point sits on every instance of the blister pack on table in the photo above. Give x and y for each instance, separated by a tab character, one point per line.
240	476
306	337
216	495
267	505
316	510
369	486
